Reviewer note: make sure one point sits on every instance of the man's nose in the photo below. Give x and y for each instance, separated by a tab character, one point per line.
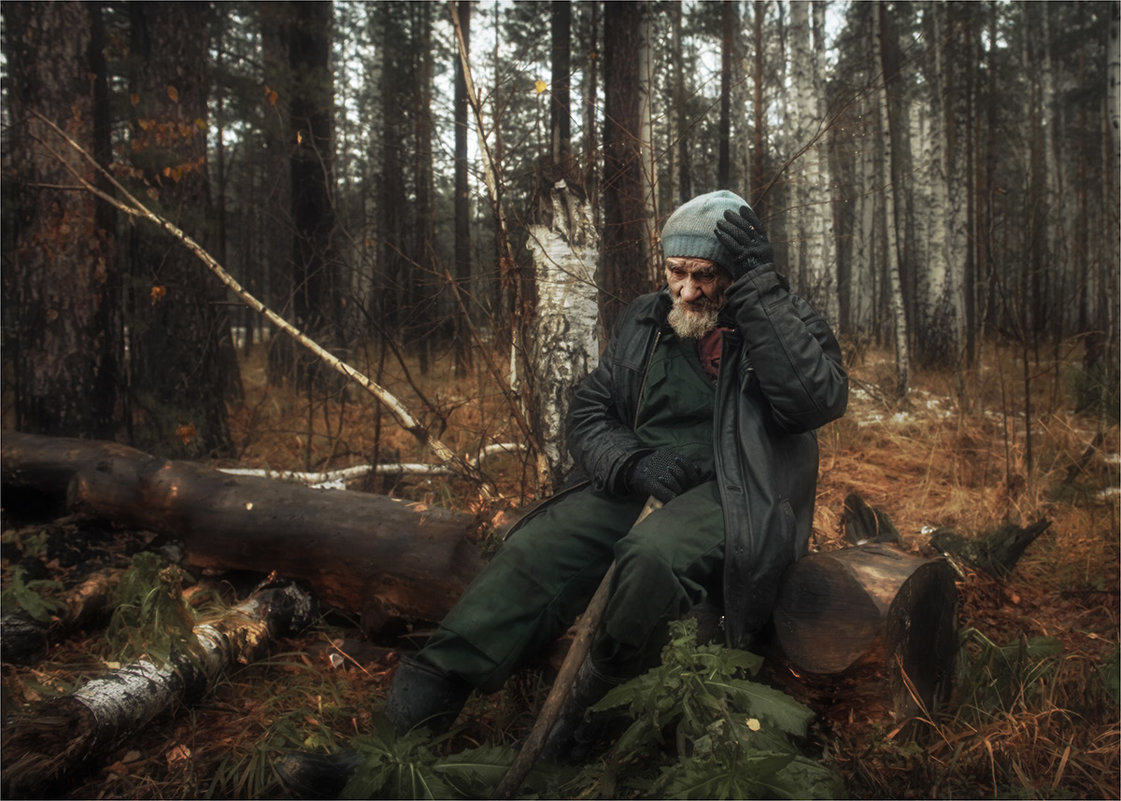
691	291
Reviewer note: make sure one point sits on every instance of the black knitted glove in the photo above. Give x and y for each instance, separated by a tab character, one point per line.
665	474
742	235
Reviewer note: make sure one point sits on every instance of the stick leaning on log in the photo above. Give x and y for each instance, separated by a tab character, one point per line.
566	676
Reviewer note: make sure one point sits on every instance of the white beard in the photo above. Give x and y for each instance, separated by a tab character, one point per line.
690	324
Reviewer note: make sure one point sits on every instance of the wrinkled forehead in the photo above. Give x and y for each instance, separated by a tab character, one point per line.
690	264
695	267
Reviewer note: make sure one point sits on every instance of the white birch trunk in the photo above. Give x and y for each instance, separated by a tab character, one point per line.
902	356
800	245
825	269
565	344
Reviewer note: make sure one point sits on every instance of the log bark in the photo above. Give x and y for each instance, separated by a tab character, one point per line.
375	556
47	741
22	637
872	625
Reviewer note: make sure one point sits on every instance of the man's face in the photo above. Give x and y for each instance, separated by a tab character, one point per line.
697	288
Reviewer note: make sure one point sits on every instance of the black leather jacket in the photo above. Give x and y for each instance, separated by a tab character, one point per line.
781	378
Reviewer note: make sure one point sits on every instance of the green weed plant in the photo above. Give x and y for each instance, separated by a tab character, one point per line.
696	727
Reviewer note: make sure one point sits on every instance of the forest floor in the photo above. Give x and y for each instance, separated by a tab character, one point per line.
1035	708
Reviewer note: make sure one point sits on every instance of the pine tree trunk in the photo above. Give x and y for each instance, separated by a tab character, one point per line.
181	353
626	271
61	280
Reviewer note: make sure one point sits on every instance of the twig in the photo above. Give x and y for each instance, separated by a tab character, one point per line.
136	209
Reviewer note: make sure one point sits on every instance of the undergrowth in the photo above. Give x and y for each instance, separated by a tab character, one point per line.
698	727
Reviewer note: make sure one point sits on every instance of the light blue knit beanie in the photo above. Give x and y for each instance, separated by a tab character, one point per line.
690	232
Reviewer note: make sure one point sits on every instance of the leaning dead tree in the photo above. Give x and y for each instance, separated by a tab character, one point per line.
374	556
47	741
131	206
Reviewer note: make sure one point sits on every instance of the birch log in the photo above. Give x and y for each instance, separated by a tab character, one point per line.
47	741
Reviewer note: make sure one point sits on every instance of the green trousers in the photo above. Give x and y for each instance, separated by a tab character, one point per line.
544	575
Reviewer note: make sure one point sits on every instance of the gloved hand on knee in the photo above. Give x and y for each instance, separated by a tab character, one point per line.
665	474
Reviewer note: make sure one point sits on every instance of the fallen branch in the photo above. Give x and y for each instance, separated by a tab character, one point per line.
336	479
48	740
135	208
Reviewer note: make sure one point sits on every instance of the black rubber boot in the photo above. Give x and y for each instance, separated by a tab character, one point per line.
422	695
309	775
575	734
419	695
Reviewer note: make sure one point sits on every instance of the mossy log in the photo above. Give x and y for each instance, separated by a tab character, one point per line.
374	556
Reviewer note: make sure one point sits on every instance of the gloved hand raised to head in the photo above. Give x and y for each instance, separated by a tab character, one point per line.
665	474
743	237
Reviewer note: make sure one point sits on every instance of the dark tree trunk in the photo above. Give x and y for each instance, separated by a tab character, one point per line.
727	54
61	283
275	202
626	270
422	233
560	89
179	333
315	300
462	199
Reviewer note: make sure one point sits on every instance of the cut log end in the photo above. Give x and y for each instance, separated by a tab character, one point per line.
877	611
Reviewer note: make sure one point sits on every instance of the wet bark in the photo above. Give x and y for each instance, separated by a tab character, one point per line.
374	556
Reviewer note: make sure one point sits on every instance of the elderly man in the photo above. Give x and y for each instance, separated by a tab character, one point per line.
706	398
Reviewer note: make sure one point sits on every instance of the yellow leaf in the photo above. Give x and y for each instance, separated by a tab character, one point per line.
173	93
299	137
158	293
186	432
134	98
540	86
271	95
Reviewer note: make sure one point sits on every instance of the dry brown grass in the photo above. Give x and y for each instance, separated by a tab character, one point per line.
925	465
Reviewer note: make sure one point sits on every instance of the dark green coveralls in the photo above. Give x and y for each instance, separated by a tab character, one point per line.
548	569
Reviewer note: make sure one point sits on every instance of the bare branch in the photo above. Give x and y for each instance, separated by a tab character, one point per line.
135	208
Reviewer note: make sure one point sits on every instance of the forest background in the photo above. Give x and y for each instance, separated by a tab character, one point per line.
457	199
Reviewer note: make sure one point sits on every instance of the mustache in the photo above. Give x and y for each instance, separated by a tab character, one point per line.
703	303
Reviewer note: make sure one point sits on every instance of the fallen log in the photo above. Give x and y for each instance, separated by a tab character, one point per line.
23	637
374	556
47	741
871	627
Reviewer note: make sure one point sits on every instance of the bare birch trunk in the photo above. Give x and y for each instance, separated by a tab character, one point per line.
565	346
902	357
